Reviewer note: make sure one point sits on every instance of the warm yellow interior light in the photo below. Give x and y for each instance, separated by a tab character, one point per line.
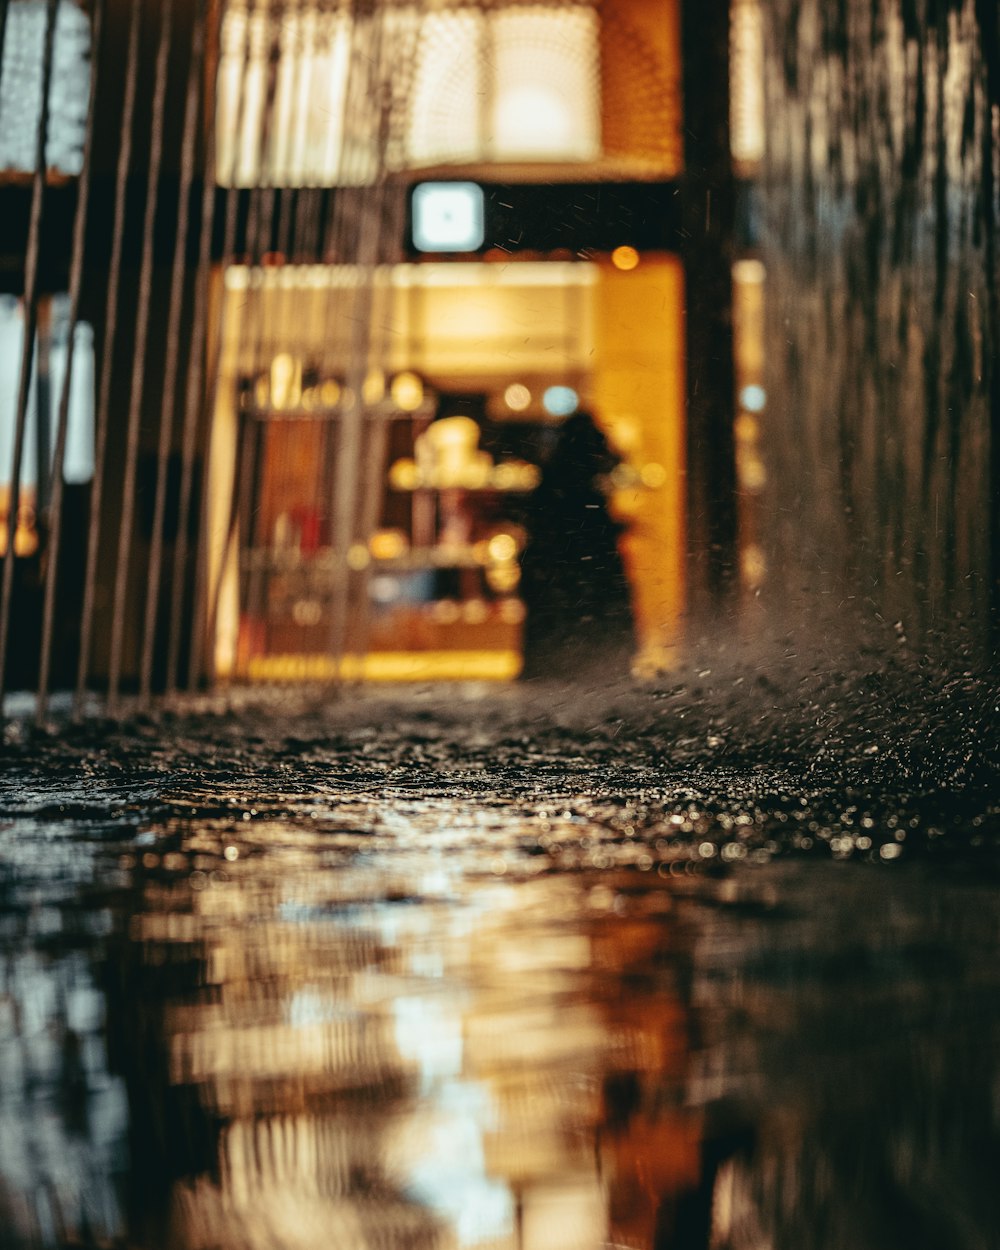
329	393
357	557
517	397
286	381
388	544
625	258
404	475
373	387
653	475
407	391
499	665
503	547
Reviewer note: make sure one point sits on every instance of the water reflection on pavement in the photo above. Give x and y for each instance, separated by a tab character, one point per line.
421	1020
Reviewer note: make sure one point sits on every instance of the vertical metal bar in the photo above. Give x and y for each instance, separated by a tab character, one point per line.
110	336
206	603
4	7
347	218
349	452
373	495
312	221
393	136
28	342
125	534
356	427
43	404
249	438
172	352
194	397
261	215
62	427
259	242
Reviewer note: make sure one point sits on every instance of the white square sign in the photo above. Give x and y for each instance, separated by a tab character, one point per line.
448	217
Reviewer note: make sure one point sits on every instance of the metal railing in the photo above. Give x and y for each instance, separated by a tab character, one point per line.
143	234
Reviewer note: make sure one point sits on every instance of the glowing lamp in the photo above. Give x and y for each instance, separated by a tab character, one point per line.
448	217
517	397
560	401
503	546
625	258
753	398
407	391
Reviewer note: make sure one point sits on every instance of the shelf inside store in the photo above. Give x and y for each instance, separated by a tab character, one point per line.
324	560
497	485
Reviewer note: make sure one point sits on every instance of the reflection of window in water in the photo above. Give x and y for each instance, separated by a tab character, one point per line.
78	465
21	87
510	84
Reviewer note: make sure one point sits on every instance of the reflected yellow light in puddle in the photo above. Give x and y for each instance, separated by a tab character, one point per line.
437	1071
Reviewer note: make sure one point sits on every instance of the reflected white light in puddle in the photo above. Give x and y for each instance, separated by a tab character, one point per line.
431	1037
565	1217
306	1007
440	1153
429	964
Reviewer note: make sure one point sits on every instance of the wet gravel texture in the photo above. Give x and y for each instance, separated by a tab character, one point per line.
738	760
711	964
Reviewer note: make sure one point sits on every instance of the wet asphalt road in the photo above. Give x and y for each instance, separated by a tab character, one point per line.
528	968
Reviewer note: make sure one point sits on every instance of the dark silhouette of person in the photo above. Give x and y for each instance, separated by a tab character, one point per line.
572	578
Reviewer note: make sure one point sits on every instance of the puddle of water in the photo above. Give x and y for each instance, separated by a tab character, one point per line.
417	1023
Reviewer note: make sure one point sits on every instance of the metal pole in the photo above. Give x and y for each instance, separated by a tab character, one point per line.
110	334
172	352
28	342
62	428
4	7
259	244
125	532
207	597
194	403
362	91
353	428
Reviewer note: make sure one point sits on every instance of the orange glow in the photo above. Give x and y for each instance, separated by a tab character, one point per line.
388	544
389	666
625	258
638	388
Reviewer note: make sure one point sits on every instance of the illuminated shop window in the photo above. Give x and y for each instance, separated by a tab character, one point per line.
511	84
546	105
21	87
746	90
303	137
78	466
507	85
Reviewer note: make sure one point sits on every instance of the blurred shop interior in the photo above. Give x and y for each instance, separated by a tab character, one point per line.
353	275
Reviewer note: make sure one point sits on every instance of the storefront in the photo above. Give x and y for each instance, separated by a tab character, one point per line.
478	364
